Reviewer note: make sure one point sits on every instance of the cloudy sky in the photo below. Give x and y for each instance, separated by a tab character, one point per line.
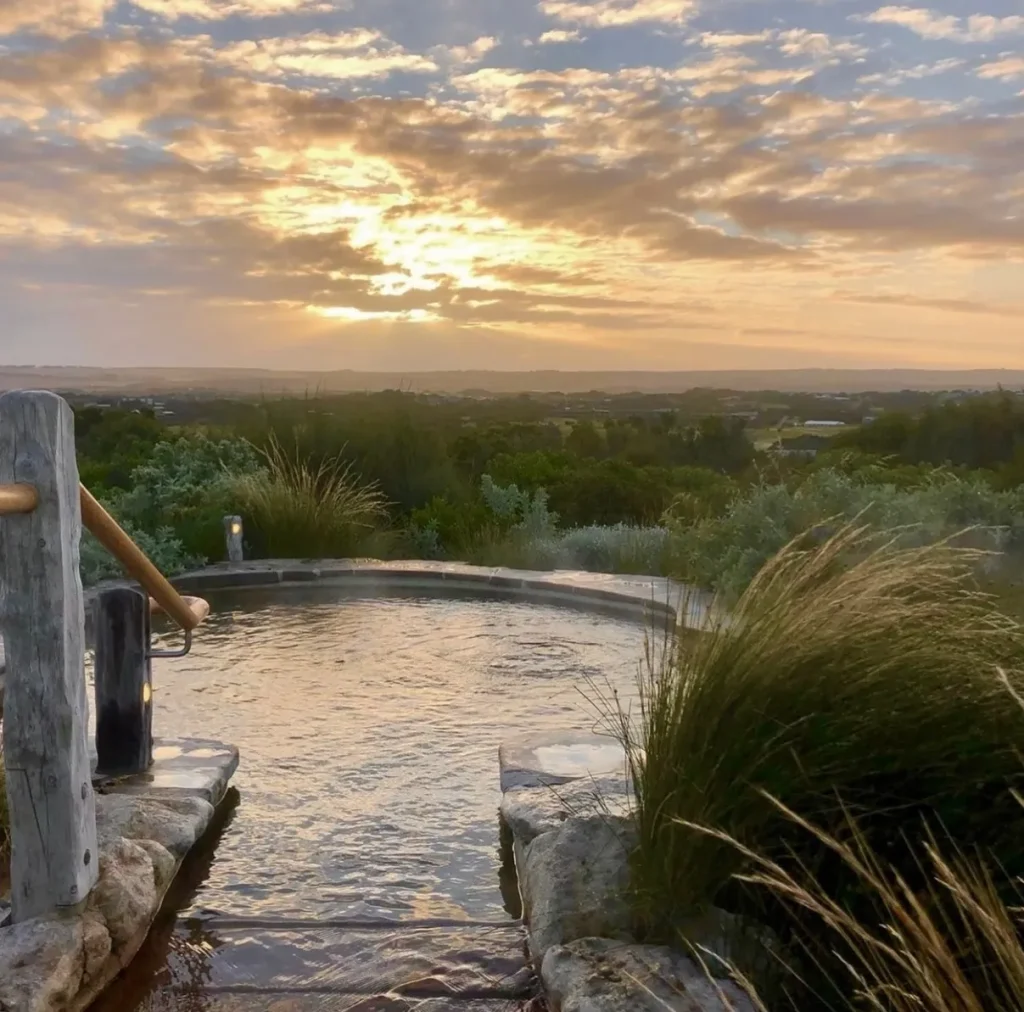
416	184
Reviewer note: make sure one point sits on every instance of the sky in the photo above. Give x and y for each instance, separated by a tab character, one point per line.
512	184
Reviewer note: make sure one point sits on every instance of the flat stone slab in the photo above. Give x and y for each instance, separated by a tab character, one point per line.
182	768
553	759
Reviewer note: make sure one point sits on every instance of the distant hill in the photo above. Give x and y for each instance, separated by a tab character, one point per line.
241	382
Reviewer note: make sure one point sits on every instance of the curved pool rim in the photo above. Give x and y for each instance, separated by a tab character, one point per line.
640	597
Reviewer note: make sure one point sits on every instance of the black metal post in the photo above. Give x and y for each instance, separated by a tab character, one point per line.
124	692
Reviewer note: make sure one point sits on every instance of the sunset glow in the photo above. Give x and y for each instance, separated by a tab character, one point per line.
600	184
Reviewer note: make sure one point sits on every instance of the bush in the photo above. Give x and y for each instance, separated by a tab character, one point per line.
187	487
296	510
723	553
446	529
163	548
858	668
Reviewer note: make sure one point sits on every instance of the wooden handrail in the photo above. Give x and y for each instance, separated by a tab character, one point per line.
108	533
187	612
17	499
197	605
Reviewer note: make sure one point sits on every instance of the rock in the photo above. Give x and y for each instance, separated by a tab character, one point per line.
164	862
574	882
531	811
174	824
602	975
736	942
41	964
559	758
96	945
125	896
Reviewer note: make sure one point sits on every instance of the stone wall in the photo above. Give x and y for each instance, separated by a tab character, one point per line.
571	838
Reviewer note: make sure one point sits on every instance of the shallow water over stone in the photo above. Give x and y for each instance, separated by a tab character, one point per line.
360	869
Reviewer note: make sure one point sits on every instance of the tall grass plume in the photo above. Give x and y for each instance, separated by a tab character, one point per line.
298	510
951	944
858	668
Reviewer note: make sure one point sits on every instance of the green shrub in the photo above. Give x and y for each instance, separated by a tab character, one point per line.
296	510
111	443
187	486
858	668
163	548
724	552
446	529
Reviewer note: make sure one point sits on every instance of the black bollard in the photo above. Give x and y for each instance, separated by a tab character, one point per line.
124	691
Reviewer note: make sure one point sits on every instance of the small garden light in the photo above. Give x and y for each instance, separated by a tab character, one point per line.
233	538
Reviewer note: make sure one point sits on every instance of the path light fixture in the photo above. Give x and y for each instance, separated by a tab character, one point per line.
233	538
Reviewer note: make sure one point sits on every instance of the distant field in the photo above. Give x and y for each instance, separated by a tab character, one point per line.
763	438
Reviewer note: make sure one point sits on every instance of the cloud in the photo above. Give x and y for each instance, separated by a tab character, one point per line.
728	72
361	53
215	10
557	35
56	18
280	170
801	42
942	305
897	76
881	223
616	13
1004	70
931	25
474	52
732	40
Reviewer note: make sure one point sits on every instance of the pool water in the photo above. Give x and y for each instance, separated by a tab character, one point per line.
360	868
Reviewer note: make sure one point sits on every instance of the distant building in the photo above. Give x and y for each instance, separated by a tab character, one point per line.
823	424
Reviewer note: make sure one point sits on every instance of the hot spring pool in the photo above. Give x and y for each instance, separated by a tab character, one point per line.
363	852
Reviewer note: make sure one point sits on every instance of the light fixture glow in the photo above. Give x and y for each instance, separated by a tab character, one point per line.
147	693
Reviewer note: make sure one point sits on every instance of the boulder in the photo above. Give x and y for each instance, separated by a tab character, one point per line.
175	824
96	947
125	896
603	975
42	963
164	862
575	880
531	811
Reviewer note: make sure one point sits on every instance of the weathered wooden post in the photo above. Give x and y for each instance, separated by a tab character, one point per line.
124	689
233	538
54	860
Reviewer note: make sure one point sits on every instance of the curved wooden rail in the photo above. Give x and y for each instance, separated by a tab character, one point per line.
199	608
108	533
17	499
187	612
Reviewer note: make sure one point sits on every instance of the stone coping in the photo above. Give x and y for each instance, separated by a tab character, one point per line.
649	596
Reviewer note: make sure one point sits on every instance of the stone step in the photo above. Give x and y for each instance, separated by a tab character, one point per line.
264	966
341	1003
